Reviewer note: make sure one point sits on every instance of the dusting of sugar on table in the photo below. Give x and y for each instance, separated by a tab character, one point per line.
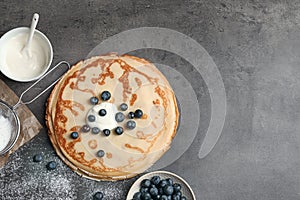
21	178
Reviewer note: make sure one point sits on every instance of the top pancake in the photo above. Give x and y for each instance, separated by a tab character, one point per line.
130	80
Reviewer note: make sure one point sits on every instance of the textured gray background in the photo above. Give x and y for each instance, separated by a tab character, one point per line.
256	47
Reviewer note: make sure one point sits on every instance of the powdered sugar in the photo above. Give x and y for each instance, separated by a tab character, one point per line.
21	178
5	132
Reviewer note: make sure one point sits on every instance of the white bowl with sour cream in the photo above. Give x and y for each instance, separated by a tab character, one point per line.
18	65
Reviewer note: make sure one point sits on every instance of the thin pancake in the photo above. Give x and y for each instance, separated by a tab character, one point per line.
130	80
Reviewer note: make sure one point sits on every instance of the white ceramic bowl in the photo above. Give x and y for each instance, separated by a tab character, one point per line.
42	41
186	189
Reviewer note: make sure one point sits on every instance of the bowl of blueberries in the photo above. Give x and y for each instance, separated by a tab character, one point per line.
160	185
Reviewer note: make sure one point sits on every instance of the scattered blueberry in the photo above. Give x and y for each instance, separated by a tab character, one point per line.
131	115
130	124
177	187
168	189
162	183
100	153
95	130
119	117
105	95
153	191
94	100
138	113
119	130
146	183
137	196
74	135
155	180
85	128
91	118
102	112
123	106
51	165
183	198
169	197
37	157
98	196
146	196
106	132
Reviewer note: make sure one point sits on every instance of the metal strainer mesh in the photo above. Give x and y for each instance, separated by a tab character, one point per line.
8	113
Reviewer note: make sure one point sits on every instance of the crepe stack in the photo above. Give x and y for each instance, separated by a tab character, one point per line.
129	80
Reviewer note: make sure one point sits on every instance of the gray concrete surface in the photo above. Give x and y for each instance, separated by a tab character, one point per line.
256	46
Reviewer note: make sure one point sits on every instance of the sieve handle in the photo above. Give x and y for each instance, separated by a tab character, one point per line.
30	101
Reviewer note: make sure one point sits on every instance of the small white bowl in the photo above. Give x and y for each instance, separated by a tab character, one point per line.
42	41
186	189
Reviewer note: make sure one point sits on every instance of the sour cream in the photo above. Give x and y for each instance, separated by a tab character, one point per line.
103	122
18	63
5	132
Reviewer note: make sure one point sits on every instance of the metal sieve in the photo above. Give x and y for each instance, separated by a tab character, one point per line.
9	112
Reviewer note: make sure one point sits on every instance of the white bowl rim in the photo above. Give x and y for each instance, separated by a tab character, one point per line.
6	36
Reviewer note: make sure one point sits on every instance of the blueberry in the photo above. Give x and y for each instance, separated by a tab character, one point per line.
74	135
177	187
102	112
157	197
137	196
131	115
95	130
146	183
100	153
105	95
168	189
91	118
37	157
85	128
153	191
144	190
176	197
130	124
155	180
106	132
178	193
164	197
160	190
146	196
123	106
169	181
162	183
51	165
119	117
98	196
169	197
138	113
183	198
119	130
94	100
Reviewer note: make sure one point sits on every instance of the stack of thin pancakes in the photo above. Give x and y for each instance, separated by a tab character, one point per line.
130	80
